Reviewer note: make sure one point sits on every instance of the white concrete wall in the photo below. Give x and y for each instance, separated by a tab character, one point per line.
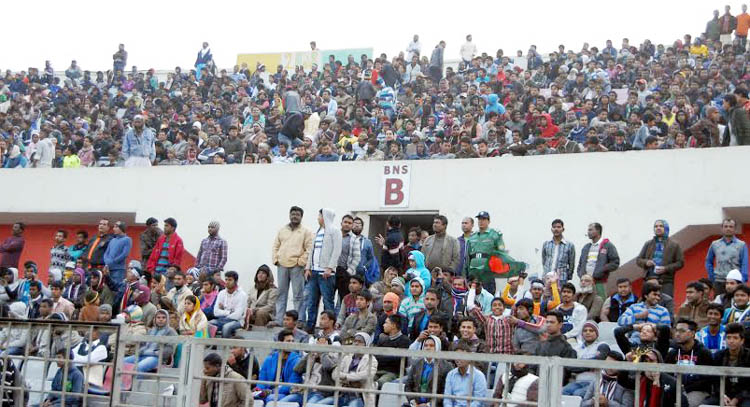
625	192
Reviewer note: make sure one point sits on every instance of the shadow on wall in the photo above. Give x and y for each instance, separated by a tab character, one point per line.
40	238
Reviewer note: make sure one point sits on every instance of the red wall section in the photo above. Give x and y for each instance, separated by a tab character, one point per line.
695	258
40	238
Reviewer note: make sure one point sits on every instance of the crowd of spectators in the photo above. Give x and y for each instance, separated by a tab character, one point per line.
424	292
689	94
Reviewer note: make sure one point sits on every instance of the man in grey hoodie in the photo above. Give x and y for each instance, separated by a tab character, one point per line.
321	266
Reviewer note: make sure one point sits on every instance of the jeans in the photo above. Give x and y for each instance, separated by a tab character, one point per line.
118	280
146	363
13	351
319	398
226	325
317	286
292	398
290	142
351	400
295	276
576	388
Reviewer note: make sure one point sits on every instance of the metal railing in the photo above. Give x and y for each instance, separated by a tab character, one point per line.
186	378
44	340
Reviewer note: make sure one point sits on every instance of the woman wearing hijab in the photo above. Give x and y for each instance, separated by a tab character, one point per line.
96	284
357	371
148	357
422	373
661	257
193	321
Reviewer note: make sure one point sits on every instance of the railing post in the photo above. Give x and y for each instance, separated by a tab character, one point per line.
555	382
543	374
117	381
196	351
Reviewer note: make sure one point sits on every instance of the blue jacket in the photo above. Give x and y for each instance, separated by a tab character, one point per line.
117	252
268	371
368	256
74	385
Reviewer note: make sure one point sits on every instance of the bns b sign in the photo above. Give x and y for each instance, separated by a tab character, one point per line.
394	189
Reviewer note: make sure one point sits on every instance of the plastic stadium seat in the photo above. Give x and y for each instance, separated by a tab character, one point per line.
281	404
571	401
607	332
391	400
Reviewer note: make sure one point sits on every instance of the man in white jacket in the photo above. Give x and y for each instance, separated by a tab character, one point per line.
321	266
230	306
574	313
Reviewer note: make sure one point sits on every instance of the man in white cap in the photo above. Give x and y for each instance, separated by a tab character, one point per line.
212	255
734	280
138	149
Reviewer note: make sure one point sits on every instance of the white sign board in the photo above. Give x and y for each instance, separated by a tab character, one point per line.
394	187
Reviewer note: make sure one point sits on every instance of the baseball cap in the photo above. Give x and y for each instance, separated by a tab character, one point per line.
70	265
483	214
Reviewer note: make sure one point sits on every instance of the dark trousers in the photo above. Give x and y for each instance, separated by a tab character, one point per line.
342	285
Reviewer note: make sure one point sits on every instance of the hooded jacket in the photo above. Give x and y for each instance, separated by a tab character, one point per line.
493	105
419	271
409	306
288	374
264	300
361	377
672	258
330	250
414	382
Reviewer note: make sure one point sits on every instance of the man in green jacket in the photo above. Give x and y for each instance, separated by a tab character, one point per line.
483	245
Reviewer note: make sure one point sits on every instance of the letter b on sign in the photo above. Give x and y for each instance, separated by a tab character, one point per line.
394	189
394	193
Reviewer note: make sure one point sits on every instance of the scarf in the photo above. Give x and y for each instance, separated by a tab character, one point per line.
654	399
459	298
189	315
608	386
393	297
160	330
208	299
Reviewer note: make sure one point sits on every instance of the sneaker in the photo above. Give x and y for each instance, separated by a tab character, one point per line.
168	391
273	324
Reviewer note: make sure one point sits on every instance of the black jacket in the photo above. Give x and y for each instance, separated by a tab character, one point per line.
97	256
391	363
699	356
735	386
294	126
414	378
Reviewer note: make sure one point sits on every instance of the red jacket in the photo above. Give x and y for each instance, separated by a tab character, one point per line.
176	249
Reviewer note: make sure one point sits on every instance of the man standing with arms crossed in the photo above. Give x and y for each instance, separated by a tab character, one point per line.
289	252
730	253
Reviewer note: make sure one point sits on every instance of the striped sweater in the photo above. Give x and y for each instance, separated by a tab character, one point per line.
656	315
